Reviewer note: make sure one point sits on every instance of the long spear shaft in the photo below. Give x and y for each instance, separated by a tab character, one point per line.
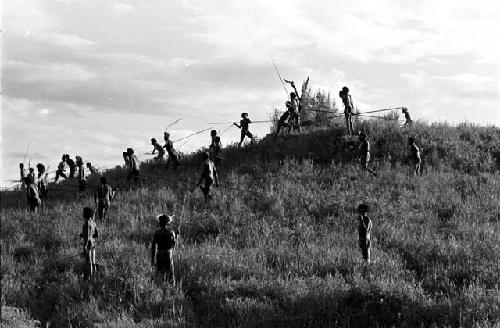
172	123
279	76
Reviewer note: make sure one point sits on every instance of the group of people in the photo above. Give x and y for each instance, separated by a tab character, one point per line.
165	238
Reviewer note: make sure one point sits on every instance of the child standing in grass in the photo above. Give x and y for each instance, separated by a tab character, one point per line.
162	249
133	166
415	158
208	176
364	153
88	240
364	230
245	121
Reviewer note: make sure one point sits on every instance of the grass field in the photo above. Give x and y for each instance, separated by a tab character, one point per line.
277	247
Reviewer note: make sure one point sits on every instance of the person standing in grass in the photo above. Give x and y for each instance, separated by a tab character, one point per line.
364	230
173	156
162	248
159	148
32	194
82	178
348	108
92	169
244	123
22	175
72	166
415	158
88	240
133	166
407	116
103	197
208	176
214	150
43	181
364	153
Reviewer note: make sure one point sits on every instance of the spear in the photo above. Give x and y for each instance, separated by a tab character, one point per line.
279	76
180	119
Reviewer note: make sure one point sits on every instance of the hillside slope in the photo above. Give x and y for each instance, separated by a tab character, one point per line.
278	245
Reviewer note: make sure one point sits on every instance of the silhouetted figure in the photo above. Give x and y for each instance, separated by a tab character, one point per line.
162	249
407	116
208	176
132	165
364	153
415	159
103	196
173	156
22	175
364	230
157	148
348	108
81	173
61	169
32	194
244	123
72	166
92	169
43	181
88	238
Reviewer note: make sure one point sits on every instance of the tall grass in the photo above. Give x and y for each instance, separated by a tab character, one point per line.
278	245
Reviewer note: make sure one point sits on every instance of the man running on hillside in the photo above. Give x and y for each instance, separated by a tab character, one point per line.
133	166
244	123
208	176
159	148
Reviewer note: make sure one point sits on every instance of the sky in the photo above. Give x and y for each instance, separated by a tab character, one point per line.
93	77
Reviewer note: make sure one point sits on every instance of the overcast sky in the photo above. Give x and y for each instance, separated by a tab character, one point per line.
92	77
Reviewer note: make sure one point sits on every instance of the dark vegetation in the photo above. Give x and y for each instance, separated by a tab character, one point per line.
278	245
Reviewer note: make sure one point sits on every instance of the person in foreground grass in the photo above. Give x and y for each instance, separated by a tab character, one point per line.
208	176
364	230
32	193
364	153
88	238
415	159
162	249
103	197
245	121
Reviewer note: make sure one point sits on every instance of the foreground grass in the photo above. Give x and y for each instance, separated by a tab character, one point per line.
278	246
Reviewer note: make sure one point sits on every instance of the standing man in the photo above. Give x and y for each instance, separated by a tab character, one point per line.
32	193
133	166
22	175
103	197
72	167
88	238
43	183
208	176
364	153
348	108
82	179
244	128
415	158
162	249
364	230
173	156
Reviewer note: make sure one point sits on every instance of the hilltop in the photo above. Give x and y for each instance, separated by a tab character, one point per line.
278	245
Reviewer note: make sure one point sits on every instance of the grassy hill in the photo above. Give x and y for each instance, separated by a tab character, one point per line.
278	245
